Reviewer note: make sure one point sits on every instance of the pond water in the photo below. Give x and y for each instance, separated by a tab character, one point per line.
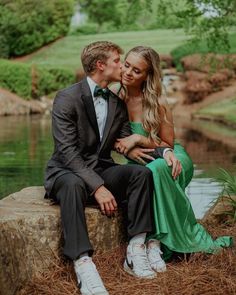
26	145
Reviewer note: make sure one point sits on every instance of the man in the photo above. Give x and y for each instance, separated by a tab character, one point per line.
86	121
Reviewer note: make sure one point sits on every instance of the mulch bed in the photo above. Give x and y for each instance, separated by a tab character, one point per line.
198	274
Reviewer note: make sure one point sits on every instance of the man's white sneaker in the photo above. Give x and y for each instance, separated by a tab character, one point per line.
154	256
88	277
136	262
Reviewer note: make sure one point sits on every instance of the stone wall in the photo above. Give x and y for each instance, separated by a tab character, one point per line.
30	236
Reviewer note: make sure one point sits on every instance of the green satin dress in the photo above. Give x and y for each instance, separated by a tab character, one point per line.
176	225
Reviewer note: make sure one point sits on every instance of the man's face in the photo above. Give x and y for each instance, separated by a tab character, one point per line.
112	68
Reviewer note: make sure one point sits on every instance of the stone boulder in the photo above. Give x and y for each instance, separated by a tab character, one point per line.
196	90
166	61
30	236
218	80
209	62
11	104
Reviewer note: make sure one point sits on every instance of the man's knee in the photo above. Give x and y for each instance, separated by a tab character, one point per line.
72	185
75	182
144	171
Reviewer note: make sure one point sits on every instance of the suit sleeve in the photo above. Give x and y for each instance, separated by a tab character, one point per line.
66	139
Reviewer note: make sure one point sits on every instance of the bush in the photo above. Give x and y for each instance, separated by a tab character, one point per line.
200	47
27	25
31	81
87	29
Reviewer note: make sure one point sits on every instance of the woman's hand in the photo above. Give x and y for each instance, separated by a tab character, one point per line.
124	145
139	155
174	162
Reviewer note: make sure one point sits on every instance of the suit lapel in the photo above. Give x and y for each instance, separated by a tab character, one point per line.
112	103
89	106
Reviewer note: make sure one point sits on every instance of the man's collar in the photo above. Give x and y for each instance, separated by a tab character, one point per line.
92	84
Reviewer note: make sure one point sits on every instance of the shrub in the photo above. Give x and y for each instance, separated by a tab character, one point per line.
87	29
31	81
27	25
200	47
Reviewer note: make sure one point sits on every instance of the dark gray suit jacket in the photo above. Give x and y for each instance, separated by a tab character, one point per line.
77	146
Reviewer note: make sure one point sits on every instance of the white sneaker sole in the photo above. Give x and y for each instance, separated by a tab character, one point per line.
132	273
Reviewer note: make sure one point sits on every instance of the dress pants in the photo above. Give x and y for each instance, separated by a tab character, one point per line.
130	183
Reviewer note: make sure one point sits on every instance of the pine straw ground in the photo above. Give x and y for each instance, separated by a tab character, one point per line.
199	274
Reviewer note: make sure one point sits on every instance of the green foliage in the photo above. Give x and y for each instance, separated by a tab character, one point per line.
201	47
30	81
229	189
123	15
110	15
88	29
208	20
99	11
229	182
16	77
27	25
166	16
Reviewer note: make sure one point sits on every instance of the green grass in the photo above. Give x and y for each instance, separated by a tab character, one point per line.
225	110
66	52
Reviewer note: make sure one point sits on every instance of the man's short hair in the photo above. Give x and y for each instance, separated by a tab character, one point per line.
97	51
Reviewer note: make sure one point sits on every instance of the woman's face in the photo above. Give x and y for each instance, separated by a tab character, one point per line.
134	70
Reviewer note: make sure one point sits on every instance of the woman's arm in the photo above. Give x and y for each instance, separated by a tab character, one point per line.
166	134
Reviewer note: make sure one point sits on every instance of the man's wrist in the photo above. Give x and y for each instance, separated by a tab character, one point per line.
167	150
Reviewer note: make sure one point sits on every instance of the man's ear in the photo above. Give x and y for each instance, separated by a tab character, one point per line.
100	65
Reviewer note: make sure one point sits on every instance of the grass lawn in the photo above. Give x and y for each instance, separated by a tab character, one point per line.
225	110
66	52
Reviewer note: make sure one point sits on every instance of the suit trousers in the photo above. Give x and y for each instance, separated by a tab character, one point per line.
130	183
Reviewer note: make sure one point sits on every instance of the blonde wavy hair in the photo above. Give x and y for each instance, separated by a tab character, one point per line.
152	90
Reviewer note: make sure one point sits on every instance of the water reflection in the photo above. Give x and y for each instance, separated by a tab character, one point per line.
26	145
209	152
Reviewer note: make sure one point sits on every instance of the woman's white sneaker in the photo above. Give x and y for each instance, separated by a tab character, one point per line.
89	280
136	262
154	256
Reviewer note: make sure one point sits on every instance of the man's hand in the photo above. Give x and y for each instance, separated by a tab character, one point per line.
139	154
174	162
106	201
124	145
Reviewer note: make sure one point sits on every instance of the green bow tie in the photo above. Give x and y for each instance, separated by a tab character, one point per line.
104	92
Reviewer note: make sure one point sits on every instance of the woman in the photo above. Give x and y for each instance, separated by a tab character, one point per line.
152	125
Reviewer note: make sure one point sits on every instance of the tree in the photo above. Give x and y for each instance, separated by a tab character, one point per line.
119	13
99	11
208	20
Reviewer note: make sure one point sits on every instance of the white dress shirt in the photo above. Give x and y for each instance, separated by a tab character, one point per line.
101	107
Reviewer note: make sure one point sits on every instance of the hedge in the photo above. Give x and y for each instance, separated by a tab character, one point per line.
28	25
33	81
